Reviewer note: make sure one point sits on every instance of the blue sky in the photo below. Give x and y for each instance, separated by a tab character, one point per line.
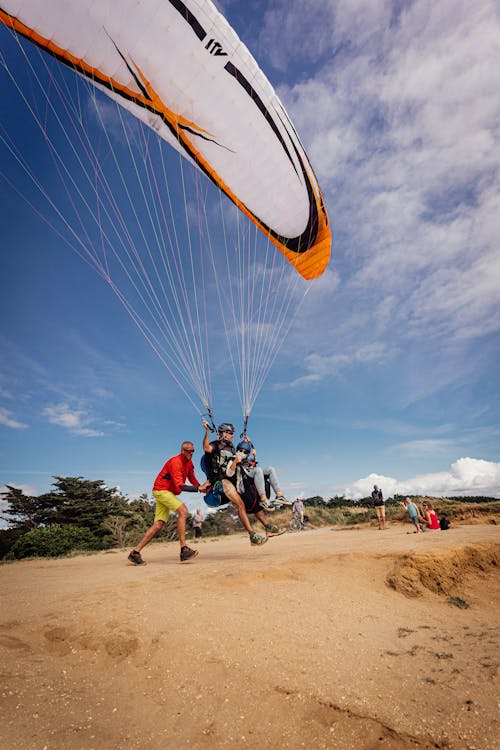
389	372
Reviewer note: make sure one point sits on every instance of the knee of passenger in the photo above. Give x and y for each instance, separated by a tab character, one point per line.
182	511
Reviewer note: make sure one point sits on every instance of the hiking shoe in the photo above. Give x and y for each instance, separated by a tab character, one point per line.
281	499
266	505
256	539
187	553
135	558
272	530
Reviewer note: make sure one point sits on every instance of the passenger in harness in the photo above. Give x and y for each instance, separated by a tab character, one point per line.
218	454
247	490
264	478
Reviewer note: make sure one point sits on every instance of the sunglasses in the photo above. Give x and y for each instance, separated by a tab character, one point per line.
228	432
188	450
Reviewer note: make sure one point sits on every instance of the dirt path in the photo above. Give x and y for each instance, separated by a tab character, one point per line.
324	639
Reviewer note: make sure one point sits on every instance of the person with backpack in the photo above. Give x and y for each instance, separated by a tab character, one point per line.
218	454
379	505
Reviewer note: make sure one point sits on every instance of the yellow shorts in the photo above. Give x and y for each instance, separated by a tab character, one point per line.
166	501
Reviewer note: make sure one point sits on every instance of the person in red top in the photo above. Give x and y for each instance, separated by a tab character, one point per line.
429	521
169	483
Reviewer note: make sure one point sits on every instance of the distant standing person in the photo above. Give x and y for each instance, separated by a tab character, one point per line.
197	523
168	484
413	513
298	509
379	503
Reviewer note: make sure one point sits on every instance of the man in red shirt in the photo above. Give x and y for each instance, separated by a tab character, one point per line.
169	483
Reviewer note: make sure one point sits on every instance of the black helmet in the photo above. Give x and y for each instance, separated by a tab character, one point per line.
225	427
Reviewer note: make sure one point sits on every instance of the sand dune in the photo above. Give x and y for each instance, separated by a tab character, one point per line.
324	639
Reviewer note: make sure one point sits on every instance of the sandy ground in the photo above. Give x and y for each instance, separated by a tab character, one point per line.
323	639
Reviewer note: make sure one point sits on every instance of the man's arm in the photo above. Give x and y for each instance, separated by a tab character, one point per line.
207	448
231	467
194	481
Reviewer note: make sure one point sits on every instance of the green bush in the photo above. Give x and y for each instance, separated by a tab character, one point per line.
54	541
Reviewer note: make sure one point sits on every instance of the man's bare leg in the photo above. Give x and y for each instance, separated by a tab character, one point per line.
182	513
233	496
150	534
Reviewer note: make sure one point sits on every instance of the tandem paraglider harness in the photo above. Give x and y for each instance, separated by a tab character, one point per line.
214	465
215	497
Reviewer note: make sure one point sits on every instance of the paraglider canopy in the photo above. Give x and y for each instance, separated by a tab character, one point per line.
188	81
181	69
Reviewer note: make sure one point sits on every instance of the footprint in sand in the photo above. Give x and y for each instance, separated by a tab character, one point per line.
14	644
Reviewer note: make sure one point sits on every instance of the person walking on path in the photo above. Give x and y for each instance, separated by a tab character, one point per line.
379	504
169	483
298	509
197	523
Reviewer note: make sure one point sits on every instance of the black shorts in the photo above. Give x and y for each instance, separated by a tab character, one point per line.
252	502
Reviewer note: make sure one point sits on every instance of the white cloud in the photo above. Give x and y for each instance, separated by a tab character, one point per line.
8	420
467	476
320	366
76	421
400	118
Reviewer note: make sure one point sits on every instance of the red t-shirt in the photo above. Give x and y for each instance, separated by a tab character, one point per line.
174	473
434	524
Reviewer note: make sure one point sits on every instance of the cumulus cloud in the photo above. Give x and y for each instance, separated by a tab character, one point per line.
76	421
467	476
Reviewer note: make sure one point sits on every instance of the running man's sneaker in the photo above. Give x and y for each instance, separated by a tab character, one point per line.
281	499
272	530
256	539
187	553
136	559
267	505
